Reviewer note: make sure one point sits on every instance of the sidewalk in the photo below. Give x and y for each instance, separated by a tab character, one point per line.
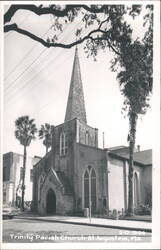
97	222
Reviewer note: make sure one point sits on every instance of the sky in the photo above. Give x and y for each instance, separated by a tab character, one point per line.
37	80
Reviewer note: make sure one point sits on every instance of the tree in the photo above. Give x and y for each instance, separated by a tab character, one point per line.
103	19
136	82
45	133
136	85
106	26
25	133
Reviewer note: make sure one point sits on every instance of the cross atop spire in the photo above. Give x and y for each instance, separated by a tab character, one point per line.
76	105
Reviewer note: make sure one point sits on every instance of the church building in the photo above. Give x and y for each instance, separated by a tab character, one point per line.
77	174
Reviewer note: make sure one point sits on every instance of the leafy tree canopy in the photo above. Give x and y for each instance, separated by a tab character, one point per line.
103	23
106	26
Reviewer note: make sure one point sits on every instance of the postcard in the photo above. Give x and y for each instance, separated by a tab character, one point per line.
80	116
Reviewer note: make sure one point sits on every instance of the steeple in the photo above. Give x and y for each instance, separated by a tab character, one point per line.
75	105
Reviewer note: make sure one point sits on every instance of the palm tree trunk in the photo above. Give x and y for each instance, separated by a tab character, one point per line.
133	122
23	178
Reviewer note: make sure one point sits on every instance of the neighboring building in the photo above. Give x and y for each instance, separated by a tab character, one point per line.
118	174
76	171
12	174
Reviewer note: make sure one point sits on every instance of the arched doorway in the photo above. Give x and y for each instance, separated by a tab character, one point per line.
51	202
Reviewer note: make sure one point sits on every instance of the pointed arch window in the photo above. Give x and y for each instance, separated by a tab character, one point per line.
41	182
90	188
86	189
87	138
40	185
63	144
93	189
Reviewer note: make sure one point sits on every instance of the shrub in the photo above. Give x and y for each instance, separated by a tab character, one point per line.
143	210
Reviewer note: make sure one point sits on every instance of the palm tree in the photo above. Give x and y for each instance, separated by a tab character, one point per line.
25	133
45	134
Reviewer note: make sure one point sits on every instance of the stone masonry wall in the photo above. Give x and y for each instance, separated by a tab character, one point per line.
96	158
92	134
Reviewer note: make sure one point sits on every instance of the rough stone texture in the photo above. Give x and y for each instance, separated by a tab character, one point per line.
64	203
112	186
64	174
95	158
73	165
64	163
92	133
76	105
40	171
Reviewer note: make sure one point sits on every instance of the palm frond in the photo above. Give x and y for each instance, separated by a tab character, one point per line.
25	130
45	134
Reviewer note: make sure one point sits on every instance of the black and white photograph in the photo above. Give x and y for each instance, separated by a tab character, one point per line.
80	124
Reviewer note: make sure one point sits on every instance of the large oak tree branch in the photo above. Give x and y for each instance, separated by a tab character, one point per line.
14	27
52	9
39	10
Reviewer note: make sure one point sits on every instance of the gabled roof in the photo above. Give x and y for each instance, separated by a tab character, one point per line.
65	182
142	157
122	150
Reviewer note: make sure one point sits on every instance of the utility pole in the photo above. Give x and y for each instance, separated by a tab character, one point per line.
90	203
103	135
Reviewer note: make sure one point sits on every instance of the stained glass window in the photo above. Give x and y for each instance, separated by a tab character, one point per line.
63	144
90	188
86	190
93	190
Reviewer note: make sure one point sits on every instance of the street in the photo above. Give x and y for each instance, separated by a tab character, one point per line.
23	230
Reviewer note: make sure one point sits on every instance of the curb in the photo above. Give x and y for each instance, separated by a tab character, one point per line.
131	219
89	224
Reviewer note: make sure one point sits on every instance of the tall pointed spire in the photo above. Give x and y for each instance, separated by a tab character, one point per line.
76	105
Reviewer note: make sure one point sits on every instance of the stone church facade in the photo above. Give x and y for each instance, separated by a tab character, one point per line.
77	174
